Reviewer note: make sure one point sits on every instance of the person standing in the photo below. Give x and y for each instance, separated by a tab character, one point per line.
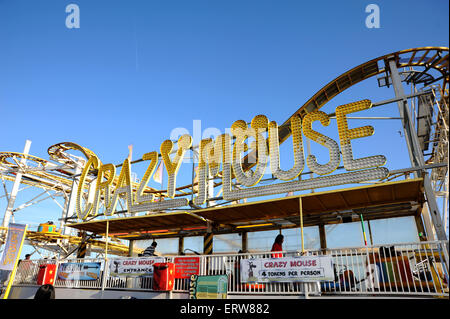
278	246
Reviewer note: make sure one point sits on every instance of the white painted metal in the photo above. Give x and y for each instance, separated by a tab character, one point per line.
15	188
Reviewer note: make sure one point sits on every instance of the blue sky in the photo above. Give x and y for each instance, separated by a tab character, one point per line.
135	70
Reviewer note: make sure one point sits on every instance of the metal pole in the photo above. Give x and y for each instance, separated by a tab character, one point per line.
69	211
106	242
363	229
445	203
193	175
244	243
404	113
370	232
308	148
130	248
414	151
301	223
105	268
15	188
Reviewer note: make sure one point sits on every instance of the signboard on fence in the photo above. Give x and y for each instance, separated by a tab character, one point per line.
185	267
79	271
208	287
288	269
142	266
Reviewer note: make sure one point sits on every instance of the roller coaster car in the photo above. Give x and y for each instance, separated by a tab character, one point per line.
47	228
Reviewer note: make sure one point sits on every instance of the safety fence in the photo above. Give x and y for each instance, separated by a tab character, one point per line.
402	270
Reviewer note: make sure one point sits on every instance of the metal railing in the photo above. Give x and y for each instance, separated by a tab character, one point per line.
402	269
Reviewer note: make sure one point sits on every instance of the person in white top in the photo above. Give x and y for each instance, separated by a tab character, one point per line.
150	251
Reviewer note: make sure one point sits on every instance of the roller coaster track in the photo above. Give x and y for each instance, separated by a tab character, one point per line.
45	174
55	240
429	58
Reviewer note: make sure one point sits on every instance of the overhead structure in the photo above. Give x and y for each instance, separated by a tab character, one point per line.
64	245
385	200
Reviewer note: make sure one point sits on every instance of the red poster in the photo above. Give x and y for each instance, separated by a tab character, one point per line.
185	267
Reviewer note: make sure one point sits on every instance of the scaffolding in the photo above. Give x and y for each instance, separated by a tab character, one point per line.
432	117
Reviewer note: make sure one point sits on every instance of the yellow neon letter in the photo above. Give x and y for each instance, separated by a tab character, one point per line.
274	150
239	129
103	186
83	214
326	141
140	197
123	186
346	135
184	143
212	154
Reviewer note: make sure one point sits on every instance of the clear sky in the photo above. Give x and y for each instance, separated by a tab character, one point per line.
136	70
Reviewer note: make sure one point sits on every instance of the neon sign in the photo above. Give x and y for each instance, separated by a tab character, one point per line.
221	152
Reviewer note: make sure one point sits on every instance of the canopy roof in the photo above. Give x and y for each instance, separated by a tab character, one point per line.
142	224
386	200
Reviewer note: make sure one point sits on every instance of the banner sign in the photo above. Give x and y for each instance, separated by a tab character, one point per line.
16	235
185	267
208	287
142	266
288	269
79	271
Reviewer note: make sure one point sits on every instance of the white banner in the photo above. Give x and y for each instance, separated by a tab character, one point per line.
142	266
288	269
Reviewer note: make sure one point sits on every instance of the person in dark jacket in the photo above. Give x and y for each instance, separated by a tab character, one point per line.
45	292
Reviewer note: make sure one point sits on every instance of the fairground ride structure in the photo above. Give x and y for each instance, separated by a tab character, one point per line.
424	113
